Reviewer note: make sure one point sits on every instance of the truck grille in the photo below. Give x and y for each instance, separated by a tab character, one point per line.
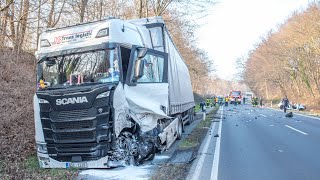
77	131
71	115
73	136
73	125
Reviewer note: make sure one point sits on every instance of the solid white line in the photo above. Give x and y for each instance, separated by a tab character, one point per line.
263	115
307	116
202	155
216	157
297	130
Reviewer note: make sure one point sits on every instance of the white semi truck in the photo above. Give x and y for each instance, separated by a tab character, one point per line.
109	93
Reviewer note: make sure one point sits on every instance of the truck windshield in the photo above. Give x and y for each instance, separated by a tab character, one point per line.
83	68
236	93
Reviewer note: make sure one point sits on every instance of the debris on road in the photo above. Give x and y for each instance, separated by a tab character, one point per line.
183	156
290	115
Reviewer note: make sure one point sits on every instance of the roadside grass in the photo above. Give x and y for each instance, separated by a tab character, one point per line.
197	108
196	136
31	164
172	171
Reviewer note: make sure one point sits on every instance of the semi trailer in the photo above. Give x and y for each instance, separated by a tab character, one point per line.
109	93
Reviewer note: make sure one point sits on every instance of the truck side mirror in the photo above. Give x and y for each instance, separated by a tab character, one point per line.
138	69
142	52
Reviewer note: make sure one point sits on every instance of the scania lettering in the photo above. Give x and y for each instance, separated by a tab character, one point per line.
109	93
73	100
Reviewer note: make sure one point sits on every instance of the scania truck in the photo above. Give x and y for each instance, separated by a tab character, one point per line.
109	93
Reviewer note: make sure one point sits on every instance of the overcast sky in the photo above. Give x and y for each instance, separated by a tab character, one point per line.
234	26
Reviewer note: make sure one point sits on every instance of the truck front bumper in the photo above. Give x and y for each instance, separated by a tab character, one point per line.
46	162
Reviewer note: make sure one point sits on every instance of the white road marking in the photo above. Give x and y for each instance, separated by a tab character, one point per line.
308	116
296	130
216	157
203	155
263	115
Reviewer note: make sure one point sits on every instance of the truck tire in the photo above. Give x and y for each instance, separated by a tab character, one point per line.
191	117
152	154
179	130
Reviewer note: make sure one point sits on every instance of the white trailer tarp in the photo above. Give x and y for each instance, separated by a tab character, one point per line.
180	89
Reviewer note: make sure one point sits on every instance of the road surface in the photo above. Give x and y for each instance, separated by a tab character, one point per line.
259	143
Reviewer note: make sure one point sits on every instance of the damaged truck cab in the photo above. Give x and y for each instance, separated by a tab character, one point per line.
109	93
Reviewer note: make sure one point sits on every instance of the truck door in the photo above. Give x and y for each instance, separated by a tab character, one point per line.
149	94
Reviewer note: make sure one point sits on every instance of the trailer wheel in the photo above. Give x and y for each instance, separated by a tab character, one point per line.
191	116
179	130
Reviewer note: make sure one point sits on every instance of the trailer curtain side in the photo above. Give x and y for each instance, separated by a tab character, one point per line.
180	89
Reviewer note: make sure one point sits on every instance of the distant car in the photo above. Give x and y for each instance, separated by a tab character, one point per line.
297	106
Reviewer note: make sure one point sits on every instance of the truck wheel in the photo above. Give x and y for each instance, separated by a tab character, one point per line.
152	154
191	116
179	130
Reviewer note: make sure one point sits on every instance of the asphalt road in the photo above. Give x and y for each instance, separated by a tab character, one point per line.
259	143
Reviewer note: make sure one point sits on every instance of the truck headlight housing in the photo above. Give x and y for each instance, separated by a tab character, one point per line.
42	148
103	32
103	95
44	43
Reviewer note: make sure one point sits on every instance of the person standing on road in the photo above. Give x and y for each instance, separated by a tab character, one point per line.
285	103
235	101
227	100
244	100
207	102
261	100
202	106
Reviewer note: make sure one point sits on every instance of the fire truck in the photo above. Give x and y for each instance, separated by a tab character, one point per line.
235	96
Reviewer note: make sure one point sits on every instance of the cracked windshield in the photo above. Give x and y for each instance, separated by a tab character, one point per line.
96	66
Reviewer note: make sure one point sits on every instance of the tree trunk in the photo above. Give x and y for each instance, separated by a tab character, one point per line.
50	16
100	9
38	22
4	23
140	8
266	86
147	9
83	6
24	21
12	26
